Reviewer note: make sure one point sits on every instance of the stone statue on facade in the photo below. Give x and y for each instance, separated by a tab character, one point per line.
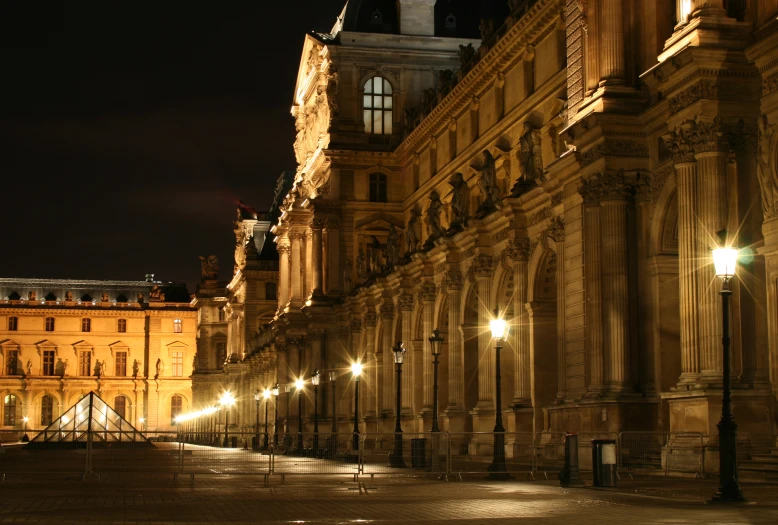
410	118
98	368
141	298
65	367
135	368
160	368
486	27
487	182
429	99
445	82
375	255
32	296
434	230
466	54
156	293
29	367
348	281
413	232
104	297
209	267
68	296
767	179
361	264
460	203
392	248
530	156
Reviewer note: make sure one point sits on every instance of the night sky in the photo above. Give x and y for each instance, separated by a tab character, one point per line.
129	130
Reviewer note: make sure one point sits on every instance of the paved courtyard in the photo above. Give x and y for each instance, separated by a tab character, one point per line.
383	500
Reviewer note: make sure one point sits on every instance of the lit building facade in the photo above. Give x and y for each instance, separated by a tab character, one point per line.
131	342
567	163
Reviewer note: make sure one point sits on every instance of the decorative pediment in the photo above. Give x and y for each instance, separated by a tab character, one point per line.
45	344
82	346
9	344
119	346
176	346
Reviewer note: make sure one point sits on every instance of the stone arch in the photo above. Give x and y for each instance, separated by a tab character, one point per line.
664	222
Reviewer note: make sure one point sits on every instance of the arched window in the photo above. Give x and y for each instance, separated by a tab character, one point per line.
271	293
377	106
47	410
176	407
377	187
120	406
9	412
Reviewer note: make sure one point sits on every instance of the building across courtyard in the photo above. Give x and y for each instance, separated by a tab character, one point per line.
131	342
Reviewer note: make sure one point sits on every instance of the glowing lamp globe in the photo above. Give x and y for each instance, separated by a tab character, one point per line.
725	262
227	399
356	369
299	384
267	393
498	327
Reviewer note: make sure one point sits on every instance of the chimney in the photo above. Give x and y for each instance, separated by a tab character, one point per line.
417	17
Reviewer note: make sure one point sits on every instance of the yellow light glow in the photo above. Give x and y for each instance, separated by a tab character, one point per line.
267	393
25	419
227	399
299	384
725	262
356	369
498	327
141	420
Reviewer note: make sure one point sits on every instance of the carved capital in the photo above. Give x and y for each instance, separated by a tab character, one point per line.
406	302
283	248
428	293
371	319
454	280
333	223
483	265
356	325
317	223
518	250
387	310
556	230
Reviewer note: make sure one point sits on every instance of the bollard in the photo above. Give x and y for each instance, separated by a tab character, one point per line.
570	475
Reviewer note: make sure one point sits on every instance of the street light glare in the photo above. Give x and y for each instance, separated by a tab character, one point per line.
498	327
356	369
725	262
299	384
227	399
267	393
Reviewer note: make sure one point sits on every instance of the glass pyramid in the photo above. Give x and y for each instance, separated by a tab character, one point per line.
89	416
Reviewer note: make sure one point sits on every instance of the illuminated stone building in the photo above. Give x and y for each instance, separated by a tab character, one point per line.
131	342
573	170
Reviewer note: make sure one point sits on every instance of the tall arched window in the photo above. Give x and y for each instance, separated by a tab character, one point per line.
9	410
377	106
120	406
377	187
47	410
176	407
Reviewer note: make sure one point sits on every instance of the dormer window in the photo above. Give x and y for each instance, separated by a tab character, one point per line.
451	22
377	106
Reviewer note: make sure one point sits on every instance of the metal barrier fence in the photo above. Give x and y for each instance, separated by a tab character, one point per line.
662	452
442	454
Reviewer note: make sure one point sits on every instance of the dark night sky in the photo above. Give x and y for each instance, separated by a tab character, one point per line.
128	130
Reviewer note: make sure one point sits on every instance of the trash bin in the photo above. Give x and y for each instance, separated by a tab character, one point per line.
604	462
418	453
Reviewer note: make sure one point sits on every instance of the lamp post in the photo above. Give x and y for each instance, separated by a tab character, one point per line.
436	343
299	384
266	394
315	382
257	397
334	437
226	401
498	469
356	371
396	457
725	261
275	391
141	420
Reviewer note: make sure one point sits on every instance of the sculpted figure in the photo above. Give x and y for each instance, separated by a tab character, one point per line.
104	297
460	201
32	296
530	159
135	368
361	265
160	367
209	267
68	296
98	368
65	367
490	193
348	281
375	255
140	298
413	232
767	182
391	247
434	229
29	367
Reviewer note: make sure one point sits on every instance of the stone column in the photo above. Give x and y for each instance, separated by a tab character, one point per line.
522	394
592	55
334	271
282	378
712	218
591	194
296	281
611	42
456	345
371	361
316	256
427	295
283	273
409	374
483	267
615	282
387	342
561	350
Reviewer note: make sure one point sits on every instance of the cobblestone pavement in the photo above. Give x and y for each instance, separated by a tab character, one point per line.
331	500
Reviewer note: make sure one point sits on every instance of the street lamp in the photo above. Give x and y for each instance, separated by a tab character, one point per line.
356	371
396	457
227	400
333	376
299	384
498	469
436	344
725	262
315	381
141	420
257	397
275	390
266	394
